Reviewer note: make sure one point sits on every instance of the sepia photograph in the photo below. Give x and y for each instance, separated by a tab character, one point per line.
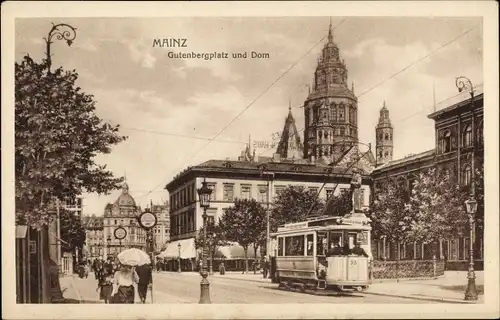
238	158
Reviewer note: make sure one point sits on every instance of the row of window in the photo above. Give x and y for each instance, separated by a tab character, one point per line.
387	136
384	154
246	192
183	223
296	245
337	114
183	197
466	138
336	131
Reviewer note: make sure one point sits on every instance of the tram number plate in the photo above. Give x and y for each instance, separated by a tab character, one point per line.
353	263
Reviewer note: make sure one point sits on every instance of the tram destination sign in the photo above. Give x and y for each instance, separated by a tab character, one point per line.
351	221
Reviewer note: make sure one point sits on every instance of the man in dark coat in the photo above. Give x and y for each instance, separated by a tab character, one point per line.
357	250
336	250
145	273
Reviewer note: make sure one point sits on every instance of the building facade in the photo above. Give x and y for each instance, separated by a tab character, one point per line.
94	235
161	232
459	149
123	213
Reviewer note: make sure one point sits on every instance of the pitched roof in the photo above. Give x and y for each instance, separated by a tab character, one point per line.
290	145
409	158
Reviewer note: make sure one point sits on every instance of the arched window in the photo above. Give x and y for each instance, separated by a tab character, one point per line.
326	134
390	136
320	134
342	131
386	136
467	175
334	112
467	136
380	154
324	114
446	142
386	154
480	133
380	136
341	112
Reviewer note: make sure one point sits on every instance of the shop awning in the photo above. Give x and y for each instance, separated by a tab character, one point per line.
187	249
236	251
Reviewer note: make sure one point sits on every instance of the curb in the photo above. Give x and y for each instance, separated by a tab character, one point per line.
243	279
442	300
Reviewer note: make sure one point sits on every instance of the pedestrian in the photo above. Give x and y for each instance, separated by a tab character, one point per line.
98	266
266	268
254	267
222	269
106	283
158	265
124	280
145	273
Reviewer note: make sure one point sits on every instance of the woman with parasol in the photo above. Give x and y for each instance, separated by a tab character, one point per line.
126	276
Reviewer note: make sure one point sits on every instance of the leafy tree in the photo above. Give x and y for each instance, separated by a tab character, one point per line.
72	232
389	216
215	239
244	223
339	205
436	208
292	204
57	138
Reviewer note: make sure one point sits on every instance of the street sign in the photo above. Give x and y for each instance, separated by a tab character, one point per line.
148	220
120	233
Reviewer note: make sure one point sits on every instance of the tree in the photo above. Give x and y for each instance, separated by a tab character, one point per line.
72	232
244	223
436	208
57	138
389	216
292	204
215	240
339	205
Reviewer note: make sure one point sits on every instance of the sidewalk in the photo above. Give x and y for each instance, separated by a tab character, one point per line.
448	288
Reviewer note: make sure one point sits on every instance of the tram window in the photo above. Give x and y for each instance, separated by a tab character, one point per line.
280	247
321	244
335	237
310	244
294	246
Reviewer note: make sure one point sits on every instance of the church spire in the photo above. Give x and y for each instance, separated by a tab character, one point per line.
330	33
290	104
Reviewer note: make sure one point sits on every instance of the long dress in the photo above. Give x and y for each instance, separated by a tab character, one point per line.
106	284
125	281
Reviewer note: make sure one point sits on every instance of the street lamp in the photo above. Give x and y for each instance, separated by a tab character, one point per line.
204	194
69	35
179	258
471	293
270	179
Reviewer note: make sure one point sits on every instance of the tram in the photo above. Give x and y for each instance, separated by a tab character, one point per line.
306	258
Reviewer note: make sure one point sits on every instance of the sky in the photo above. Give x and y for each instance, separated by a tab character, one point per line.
169	107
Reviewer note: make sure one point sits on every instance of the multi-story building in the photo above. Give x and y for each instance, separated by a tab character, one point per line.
460	150
161	231
94	241
123	213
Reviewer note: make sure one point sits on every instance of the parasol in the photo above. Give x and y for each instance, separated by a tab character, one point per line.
134	257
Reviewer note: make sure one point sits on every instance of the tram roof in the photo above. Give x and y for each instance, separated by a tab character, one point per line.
325	221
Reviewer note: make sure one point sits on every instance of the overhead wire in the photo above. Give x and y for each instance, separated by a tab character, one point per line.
253	102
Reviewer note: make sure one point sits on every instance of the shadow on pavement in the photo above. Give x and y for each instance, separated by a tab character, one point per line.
462	288
318	293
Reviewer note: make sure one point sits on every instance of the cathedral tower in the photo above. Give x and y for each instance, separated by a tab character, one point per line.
331	109
290	147
384	138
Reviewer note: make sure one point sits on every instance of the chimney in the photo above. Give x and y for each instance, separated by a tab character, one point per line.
276	157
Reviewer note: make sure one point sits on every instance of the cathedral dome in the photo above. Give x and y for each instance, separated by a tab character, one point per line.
125	199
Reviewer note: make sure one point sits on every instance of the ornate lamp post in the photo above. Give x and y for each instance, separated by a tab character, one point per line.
470	293
179	258
464	83
69	35
204	195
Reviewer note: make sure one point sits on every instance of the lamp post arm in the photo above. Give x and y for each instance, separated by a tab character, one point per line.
69	34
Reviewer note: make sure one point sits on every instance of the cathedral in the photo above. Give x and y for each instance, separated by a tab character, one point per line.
331	121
